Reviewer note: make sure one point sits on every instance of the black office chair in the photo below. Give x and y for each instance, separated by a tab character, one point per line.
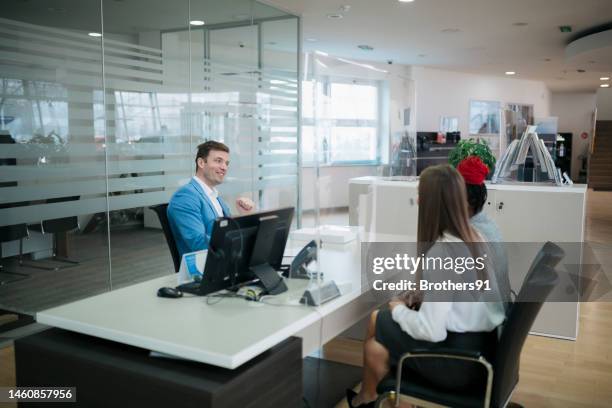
160	210
503	373
57	226
13	233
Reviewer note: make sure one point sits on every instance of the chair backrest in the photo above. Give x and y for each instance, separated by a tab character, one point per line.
160	210
64	224
539	282
13	232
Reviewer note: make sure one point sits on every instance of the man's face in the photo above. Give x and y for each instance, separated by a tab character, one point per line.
214	167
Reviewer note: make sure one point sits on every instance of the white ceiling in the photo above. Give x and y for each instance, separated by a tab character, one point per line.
488	41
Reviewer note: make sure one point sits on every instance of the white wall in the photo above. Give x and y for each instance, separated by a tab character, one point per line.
333	184
575	113
448	93
604	104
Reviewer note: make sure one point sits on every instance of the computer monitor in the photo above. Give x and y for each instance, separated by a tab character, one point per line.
246	248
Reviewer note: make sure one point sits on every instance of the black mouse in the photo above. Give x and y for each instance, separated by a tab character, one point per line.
169	292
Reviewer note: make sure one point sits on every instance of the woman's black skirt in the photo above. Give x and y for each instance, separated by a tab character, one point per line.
443	373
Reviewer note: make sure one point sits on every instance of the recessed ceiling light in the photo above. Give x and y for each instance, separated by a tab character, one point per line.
581	71
510	73
365	47
335	16
405	1
94	35
520	24
422	55
197	23
604	78
450	30
311	39
604	85
547	59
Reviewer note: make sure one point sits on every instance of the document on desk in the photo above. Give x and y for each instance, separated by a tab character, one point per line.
192	266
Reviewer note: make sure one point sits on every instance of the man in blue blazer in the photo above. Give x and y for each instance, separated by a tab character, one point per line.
195	206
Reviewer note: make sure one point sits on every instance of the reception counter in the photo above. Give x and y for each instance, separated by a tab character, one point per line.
525	213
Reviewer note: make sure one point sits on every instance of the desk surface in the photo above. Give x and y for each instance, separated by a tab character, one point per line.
225	334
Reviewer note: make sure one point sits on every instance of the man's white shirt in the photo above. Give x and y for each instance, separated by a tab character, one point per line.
212	194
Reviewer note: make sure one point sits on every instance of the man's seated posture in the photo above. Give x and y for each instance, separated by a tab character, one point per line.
195	206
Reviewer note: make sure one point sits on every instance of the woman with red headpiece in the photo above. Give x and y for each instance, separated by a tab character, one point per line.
474	172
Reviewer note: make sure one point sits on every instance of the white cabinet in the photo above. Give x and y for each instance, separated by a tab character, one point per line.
526	214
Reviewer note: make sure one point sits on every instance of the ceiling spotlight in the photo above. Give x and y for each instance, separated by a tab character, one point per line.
365	47
520	24
422	55
405	1
95	35
604	78
197	23
510	73
335	16
604	85
547	59
311	39
580	71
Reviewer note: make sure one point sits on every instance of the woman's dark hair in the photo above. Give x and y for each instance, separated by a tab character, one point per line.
477	196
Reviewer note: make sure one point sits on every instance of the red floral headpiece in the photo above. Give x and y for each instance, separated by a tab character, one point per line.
473	170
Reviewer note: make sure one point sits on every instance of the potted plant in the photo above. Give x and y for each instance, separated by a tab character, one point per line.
473	147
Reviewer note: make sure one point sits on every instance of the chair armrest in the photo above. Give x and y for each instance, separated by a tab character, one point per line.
446	353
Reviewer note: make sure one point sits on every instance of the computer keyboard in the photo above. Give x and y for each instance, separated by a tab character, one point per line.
190	287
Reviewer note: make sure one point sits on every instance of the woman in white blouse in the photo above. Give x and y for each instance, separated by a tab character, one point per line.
444	231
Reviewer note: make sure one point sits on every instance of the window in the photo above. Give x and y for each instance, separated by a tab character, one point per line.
348	121
484	117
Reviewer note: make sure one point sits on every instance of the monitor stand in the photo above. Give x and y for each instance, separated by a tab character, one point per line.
272	282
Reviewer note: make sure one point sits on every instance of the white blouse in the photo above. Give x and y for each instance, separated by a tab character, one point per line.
434	319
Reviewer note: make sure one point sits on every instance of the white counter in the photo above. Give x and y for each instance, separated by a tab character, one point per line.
524	212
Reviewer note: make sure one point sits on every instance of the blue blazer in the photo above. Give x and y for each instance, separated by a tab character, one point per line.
191	216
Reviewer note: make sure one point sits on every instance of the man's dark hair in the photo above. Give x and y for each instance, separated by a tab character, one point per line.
206	147
477	195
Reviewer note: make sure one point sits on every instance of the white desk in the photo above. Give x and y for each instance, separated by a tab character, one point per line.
225	334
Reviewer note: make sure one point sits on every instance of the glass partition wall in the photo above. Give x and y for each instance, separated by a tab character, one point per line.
102	106
358	136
